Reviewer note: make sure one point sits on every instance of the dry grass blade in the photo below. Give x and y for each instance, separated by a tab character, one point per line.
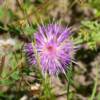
2	64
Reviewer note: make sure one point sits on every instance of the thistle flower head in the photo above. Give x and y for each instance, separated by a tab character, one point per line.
54	47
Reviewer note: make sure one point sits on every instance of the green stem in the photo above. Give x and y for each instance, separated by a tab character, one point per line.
95	85
68	86
48	95
68	77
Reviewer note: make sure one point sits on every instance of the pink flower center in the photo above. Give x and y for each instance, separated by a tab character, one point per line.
50	50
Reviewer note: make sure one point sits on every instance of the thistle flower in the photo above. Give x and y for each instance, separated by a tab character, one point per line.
54	47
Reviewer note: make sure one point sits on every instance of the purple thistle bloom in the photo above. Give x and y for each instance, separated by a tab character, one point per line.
54	47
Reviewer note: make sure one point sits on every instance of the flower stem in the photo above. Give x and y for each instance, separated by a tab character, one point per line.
95	85
68	86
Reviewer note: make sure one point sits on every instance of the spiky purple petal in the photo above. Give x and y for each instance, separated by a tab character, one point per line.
54	47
